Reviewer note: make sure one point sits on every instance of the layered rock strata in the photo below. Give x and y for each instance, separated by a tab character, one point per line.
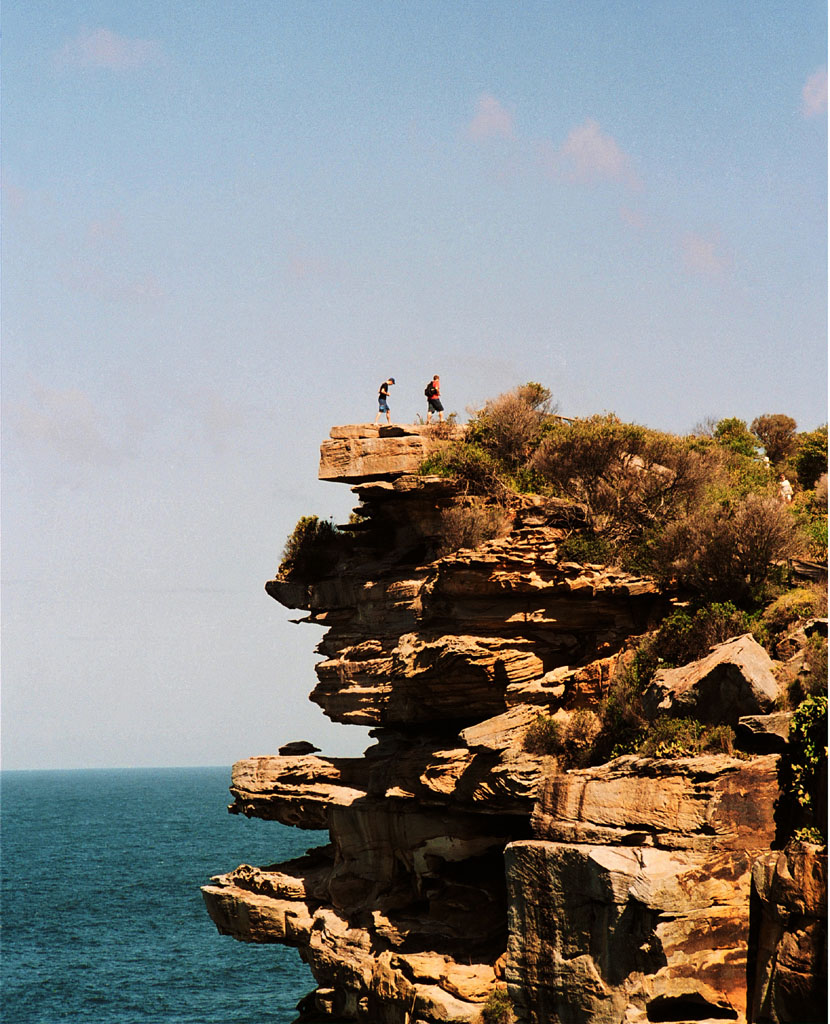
457	862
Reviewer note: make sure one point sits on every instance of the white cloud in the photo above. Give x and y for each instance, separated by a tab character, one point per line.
101	48
491	119
589	155
814	94
703	255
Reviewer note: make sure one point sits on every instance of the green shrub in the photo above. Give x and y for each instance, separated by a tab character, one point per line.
810	834
686	737
684	637
810	510
544	736
572	741
795	606
475	469
623	721
467	526
582	730
312	550
808	750
492	459
811	457
586	548
510	427
498	1009
811	681
732	433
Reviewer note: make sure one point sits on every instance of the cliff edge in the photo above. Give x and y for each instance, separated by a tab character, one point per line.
464	863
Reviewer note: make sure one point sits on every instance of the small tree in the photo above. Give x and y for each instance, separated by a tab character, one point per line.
734	434
776	432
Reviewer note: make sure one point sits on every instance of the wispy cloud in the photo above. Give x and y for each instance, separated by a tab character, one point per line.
491	119
814	94
67	423
93	277
590	155
703	254
101	48
217	419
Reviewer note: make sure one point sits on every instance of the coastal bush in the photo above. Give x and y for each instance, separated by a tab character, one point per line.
811	456
570	740
810	834
795	606
475	470
810	511
510	427
543	737
683	637
811	680
686	737
631	479
491	460
467	526
729	551
312	549
498	1009
623	722
586	549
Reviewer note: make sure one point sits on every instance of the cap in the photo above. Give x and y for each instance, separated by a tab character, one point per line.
391	380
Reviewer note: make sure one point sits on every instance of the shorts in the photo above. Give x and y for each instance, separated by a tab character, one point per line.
434	405
382	405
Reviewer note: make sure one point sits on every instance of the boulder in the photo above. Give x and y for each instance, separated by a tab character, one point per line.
736	678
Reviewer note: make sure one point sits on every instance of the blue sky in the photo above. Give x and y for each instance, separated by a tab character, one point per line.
225	223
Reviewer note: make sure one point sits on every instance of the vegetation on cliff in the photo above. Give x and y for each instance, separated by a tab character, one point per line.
702	514
703	511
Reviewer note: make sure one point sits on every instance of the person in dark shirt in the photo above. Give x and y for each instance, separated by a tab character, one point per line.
433	393
383	403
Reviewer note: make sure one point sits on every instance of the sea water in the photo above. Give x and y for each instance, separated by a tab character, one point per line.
102	918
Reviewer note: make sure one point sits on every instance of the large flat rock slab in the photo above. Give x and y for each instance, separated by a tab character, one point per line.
359	452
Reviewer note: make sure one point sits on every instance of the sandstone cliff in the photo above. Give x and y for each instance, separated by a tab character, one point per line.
458	863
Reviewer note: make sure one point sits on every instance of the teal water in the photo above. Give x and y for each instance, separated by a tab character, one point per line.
102	918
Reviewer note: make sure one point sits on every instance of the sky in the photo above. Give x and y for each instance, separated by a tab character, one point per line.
226	221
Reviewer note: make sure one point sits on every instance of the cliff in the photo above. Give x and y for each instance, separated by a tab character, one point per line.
460	863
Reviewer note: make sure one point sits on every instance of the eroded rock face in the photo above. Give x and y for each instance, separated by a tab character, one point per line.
454	858
789	936
634	900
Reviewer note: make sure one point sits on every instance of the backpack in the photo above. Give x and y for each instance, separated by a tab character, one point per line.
429	390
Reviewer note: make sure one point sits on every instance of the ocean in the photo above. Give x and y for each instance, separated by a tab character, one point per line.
102	918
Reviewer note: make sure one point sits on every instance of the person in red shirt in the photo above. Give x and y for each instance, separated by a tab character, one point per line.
433	393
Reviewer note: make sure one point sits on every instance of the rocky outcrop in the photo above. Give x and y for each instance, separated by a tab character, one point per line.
355	454
789	893
458	862
736	679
